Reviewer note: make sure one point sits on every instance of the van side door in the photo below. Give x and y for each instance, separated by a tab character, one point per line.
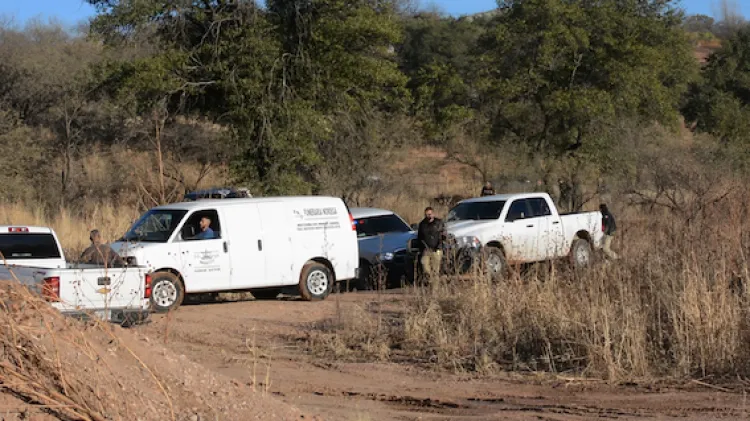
204	253
277	247
246	248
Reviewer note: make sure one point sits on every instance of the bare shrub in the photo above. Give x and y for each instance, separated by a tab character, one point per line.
96	371
669	308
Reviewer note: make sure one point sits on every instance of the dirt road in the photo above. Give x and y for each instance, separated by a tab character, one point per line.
254	343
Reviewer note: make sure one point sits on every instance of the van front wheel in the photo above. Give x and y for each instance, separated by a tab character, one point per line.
316	282
167	292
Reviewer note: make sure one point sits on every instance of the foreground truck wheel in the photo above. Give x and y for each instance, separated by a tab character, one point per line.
580	254
493	263
316	282
167	292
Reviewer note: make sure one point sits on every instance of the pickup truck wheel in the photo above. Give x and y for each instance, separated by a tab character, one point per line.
494	264
580	254
316	282
167	292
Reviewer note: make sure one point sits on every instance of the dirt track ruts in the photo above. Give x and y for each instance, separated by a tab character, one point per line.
241	339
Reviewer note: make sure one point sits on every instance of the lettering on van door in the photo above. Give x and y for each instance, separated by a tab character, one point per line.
205	261
317	218
320	212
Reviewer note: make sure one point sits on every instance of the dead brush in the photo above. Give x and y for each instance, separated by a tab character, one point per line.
43	355
676	305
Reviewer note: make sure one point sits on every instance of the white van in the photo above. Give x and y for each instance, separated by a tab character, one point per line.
259	245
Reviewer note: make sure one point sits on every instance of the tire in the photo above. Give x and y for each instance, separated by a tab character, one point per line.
315	282
581	255
493	263
266	293
167	292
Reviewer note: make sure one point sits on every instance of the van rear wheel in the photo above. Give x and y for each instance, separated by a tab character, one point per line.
167	292
316	282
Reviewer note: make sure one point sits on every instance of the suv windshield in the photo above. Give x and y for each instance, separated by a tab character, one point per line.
376	225
475	211
29	246
155	226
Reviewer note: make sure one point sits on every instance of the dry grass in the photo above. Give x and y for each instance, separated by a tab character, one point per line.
666	309
669	308
112	221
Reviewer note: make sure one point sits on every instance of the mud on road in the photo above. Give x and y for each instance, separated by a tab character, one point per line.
252	342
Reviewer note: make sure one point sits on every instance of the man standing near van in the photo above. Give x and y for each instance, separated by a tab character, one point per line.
608	227
430	237
99	253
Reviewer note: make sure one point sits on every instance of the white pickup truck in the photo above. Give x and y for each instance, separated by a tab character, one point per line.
33	256
522	228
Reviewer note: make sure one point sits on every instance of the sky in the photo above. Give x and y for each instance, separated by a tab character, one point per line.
72	11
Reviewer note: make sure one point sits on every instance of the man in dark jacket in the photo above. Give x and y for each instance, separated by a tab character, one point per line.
487	190
430	237
608	227
100	254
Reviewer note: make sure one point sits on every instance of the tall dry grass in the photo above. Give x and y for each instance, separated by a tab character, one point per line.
73	231
675	305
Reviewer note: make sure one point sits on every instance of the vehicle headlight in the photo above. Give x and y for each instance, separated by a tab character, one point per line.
385	256
472	242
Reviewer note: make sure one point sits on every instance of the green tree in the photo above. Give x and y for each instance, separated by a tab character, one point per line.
273	75
439	57
340	50
719	103
561	71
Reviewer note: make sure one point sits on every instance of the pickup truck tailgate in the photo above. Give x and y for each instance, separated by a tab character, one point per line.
100	288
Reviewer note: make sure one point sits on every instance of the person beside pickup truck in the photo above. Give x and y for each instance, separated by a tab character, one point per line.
609	226
99	253
487	190
430	238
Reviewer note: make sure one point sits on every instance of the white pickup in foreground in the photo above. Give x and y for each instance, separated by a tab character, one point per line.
34	258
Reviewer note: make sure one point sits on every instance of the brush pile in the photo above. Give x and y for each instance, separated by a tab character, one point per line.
55	367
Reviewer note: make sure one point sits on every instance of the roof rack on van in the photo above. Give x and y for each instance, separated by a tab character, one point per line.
218	193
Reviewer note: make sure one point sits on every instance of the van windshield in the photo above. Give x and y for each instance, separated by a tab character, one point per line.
29	246
476	211
155	226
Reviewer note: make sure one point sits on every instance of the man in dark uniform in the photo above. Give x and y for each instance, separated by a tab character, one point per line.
609	226
430	238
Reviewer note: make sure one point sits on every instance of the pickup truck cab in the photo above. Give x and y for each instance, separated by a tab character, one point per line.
522	228
33	256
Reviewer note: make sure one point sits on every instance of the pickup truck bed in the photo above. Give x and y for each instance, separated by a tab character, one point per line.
117	295
33	257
